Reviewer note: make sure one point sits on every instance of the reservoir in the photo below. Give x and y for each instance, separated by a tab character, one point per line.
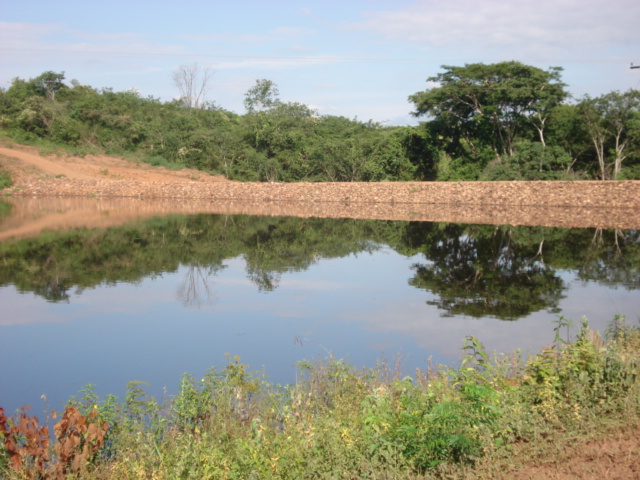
153	298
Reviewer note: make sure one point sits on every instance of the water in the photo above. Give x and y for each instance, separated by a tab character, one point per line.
152	300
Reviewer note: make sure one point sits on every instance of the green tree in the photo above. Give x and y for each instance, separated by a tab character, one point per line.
613	125
566	129
490	105
530	161
48	84
45	85
279	136
262	96
421	150
622	117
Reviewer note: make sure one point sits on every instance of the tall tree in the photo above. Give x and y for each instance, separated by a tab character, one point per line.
45	85
623	121
566	128
262	96
492	104
589	110
613	123
48	84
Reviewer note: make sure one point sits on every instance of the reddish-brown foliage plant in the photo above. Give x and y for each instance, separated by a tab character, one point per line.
26	443
78	440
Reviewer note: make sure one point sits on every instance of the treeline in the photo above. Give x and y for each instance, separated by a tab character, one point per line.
505	121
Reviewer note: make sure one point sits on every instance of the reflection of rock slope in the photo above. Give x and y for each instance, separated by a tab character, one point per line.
32	215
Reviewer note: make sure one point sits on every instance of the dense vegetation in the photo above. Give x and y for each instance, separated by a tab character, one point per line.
504	272
340	422
493	122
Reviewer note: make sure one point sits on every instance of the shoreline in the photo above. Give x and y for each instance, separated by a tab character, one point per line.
588	193
70	187
585	204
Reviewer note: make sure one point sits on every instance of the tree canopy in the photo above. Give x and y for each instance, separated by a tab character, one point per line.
489	105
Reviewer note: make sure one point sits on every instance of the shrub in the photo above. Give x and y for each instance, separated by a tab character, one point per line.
530	161
159	161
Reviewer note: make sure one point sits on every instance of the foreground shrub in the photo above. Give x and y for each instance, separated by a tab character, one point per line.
79	439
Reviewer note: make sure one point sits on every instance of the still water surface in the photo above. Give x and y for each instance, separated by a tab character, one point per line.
152	300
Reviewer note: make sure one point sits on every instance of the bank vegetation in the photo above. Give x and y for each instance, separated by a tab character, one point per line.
491	417
503	121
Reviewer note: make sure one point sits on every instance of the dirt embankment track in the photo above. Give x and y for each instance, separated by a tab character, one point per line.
112	184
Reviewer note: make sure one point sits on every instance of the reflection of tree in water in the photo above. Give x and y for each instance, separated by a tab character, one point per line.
273	247
265	280
195	289
612	259
50	285
479	272
53	290
507	272
54	263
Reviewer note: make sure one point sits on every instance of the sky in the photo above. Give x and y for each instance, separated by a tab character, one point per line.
354	58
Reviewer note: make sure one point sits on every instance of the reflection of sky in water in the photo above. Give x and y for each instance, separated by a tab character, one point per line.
359	308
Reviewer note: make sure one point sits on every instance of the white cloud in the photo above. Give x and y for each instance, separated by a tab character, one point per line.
94	37
555	27
324	86
299	49
19	32
228	38
55	39
292	31
276	62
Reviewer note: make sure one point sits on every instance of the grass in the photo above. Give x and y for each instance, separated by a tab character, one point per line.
5	179
46	146
159	161
341	422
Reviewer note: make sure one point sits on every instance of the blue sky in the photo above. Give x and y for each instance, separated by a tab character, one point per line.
356	58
